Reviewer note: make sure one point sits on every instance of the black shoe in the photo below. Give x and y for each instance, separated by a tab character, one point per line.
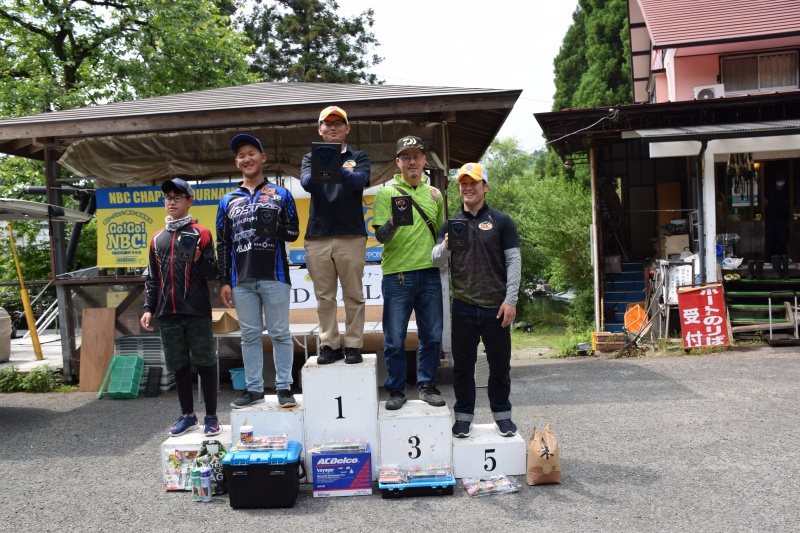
352	356
396	400
248	398
759	269
506	427
461	429
776	266
328	355
751	269
285	398
429	393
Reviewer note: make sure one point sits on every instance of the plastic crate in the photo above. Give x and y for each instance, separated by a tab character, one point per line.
264	479
126	375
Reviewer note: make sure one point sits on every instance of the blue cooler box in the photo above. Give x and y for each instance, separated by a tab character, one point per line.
264	479
423	487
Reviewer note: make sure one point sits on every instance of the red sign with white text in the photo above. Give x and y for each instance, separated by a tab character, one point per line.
703	319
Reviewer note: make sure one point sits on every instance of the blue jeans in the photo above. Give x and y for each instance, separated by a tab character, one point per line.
470	324
420	291
250	297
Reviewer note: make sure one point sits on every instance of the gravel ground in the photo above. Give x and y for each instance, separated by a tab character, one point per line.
694	443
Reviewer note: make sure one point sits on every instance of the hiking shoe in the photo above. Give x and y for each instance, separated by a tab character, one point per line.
396	400
211	426
328	355
182	425
429	393
461	429
506	427
248	399
285	398
352	356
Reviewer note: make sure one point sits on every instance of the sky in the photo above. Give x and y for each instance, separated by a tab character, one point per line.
504	44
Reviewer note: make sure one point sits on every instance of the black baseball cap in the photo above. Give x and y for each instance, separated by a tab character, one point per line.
243	138
409	141
178	185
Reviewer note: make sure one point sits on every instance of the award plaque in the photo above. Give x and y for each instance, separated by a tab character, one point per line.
185	247
456	234
402	211
326	162
266	221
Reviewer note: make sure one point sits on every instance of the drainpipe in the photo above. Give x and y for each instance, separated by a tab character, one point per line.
701	225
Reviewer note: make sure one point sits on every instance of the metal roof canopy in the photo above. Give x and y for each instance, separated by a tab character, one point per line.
12	209
145	141
574	131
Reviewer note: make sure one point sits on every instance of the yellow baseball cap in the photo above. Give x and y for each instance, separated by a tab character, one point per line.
332	110
473	171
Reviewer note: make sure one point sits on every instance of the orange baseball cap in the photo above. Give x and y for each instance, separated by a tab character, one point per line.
333	110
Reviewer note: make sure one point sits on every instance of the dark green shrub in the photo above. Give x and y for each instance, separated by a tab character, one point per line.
10	379
43	378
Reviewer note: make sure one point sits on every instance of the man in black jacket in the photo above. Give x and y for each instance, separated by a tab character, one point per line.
335	241
176	290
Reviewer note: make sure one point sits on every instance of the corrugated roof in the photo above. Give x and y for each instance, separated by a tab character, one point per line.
681	23
770	127
246	97
185	133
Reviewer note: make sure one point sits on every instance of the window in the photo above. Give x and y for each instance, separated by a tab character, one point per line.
760	72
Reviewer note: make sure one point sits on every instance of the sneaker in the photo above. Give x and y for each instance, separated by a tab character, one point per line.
461	429
352	356
248	399
506	427
285	398
429	393
328	355
396	400
183	424
211	426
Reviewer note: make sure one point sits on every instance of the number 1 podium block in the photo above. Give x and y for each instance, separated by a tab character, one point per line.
341	402
485	452
417	434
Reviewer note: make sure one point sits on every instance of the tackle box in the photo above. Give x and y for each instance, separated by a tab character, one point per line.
422	487
261	479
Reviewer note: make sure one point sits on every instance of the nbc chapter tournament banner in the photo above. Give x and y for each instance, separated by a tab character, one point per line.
127	218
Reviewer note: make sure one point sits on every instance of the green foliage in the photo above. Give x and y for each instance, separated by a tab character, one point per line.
307	41
10	379
593	66
43	378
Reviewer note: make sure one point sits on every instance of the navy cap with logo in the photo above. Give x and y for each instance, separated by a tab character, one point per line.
178	185
246	138
409	141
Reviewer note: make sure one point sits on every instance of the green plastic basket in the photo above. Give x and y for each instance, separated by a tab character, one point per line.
126	375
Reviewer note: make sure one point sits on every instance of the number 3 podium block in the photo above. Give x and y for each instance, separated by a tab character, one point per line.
341	402
485	452
417	434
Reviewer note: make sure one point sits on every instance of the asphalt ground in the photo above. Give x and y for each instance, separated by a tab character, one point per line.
680	443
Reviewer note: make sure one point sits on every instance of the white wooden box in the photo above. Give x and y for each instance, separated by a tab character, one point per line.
416	434
485	452
341	402
181	450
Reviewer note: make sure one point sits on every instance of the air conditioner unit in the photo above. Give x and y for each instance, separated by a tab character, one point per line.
707	92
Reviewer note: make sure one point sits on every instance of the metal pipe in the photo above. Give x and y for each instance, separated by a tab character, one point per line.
701	226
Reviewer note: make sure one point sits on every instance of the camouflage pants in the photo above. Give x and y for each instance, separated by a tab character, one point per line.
187	338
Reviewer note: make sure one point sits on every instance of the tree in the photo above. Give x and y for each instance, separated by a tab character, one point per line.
593	66
61	54
307	41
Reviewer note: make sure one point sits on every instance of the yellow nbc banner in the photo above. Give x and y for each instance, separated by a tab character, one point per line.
127	218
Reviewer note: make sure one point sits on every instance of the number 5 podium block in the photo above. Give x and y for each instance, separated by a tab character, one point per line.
417	434
341	402
485	452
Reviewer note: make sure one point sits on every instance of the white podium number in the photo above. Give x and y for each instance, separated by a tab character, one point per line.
415	451
489	460
339	401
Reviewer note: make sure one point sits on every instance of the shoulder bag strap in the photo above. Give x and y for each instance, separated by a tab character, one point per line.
425	218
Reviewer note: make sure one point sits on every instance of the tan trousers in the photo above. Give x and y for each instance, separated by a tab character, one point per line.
330	261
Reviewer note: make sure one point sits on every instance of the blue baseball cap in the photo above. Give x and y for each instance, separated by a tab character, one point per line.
179	185
243	138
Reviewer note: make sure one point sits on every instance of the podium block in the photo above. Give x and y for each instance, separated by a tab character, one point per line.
417	434
341	401
485	452
178	452
269	418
